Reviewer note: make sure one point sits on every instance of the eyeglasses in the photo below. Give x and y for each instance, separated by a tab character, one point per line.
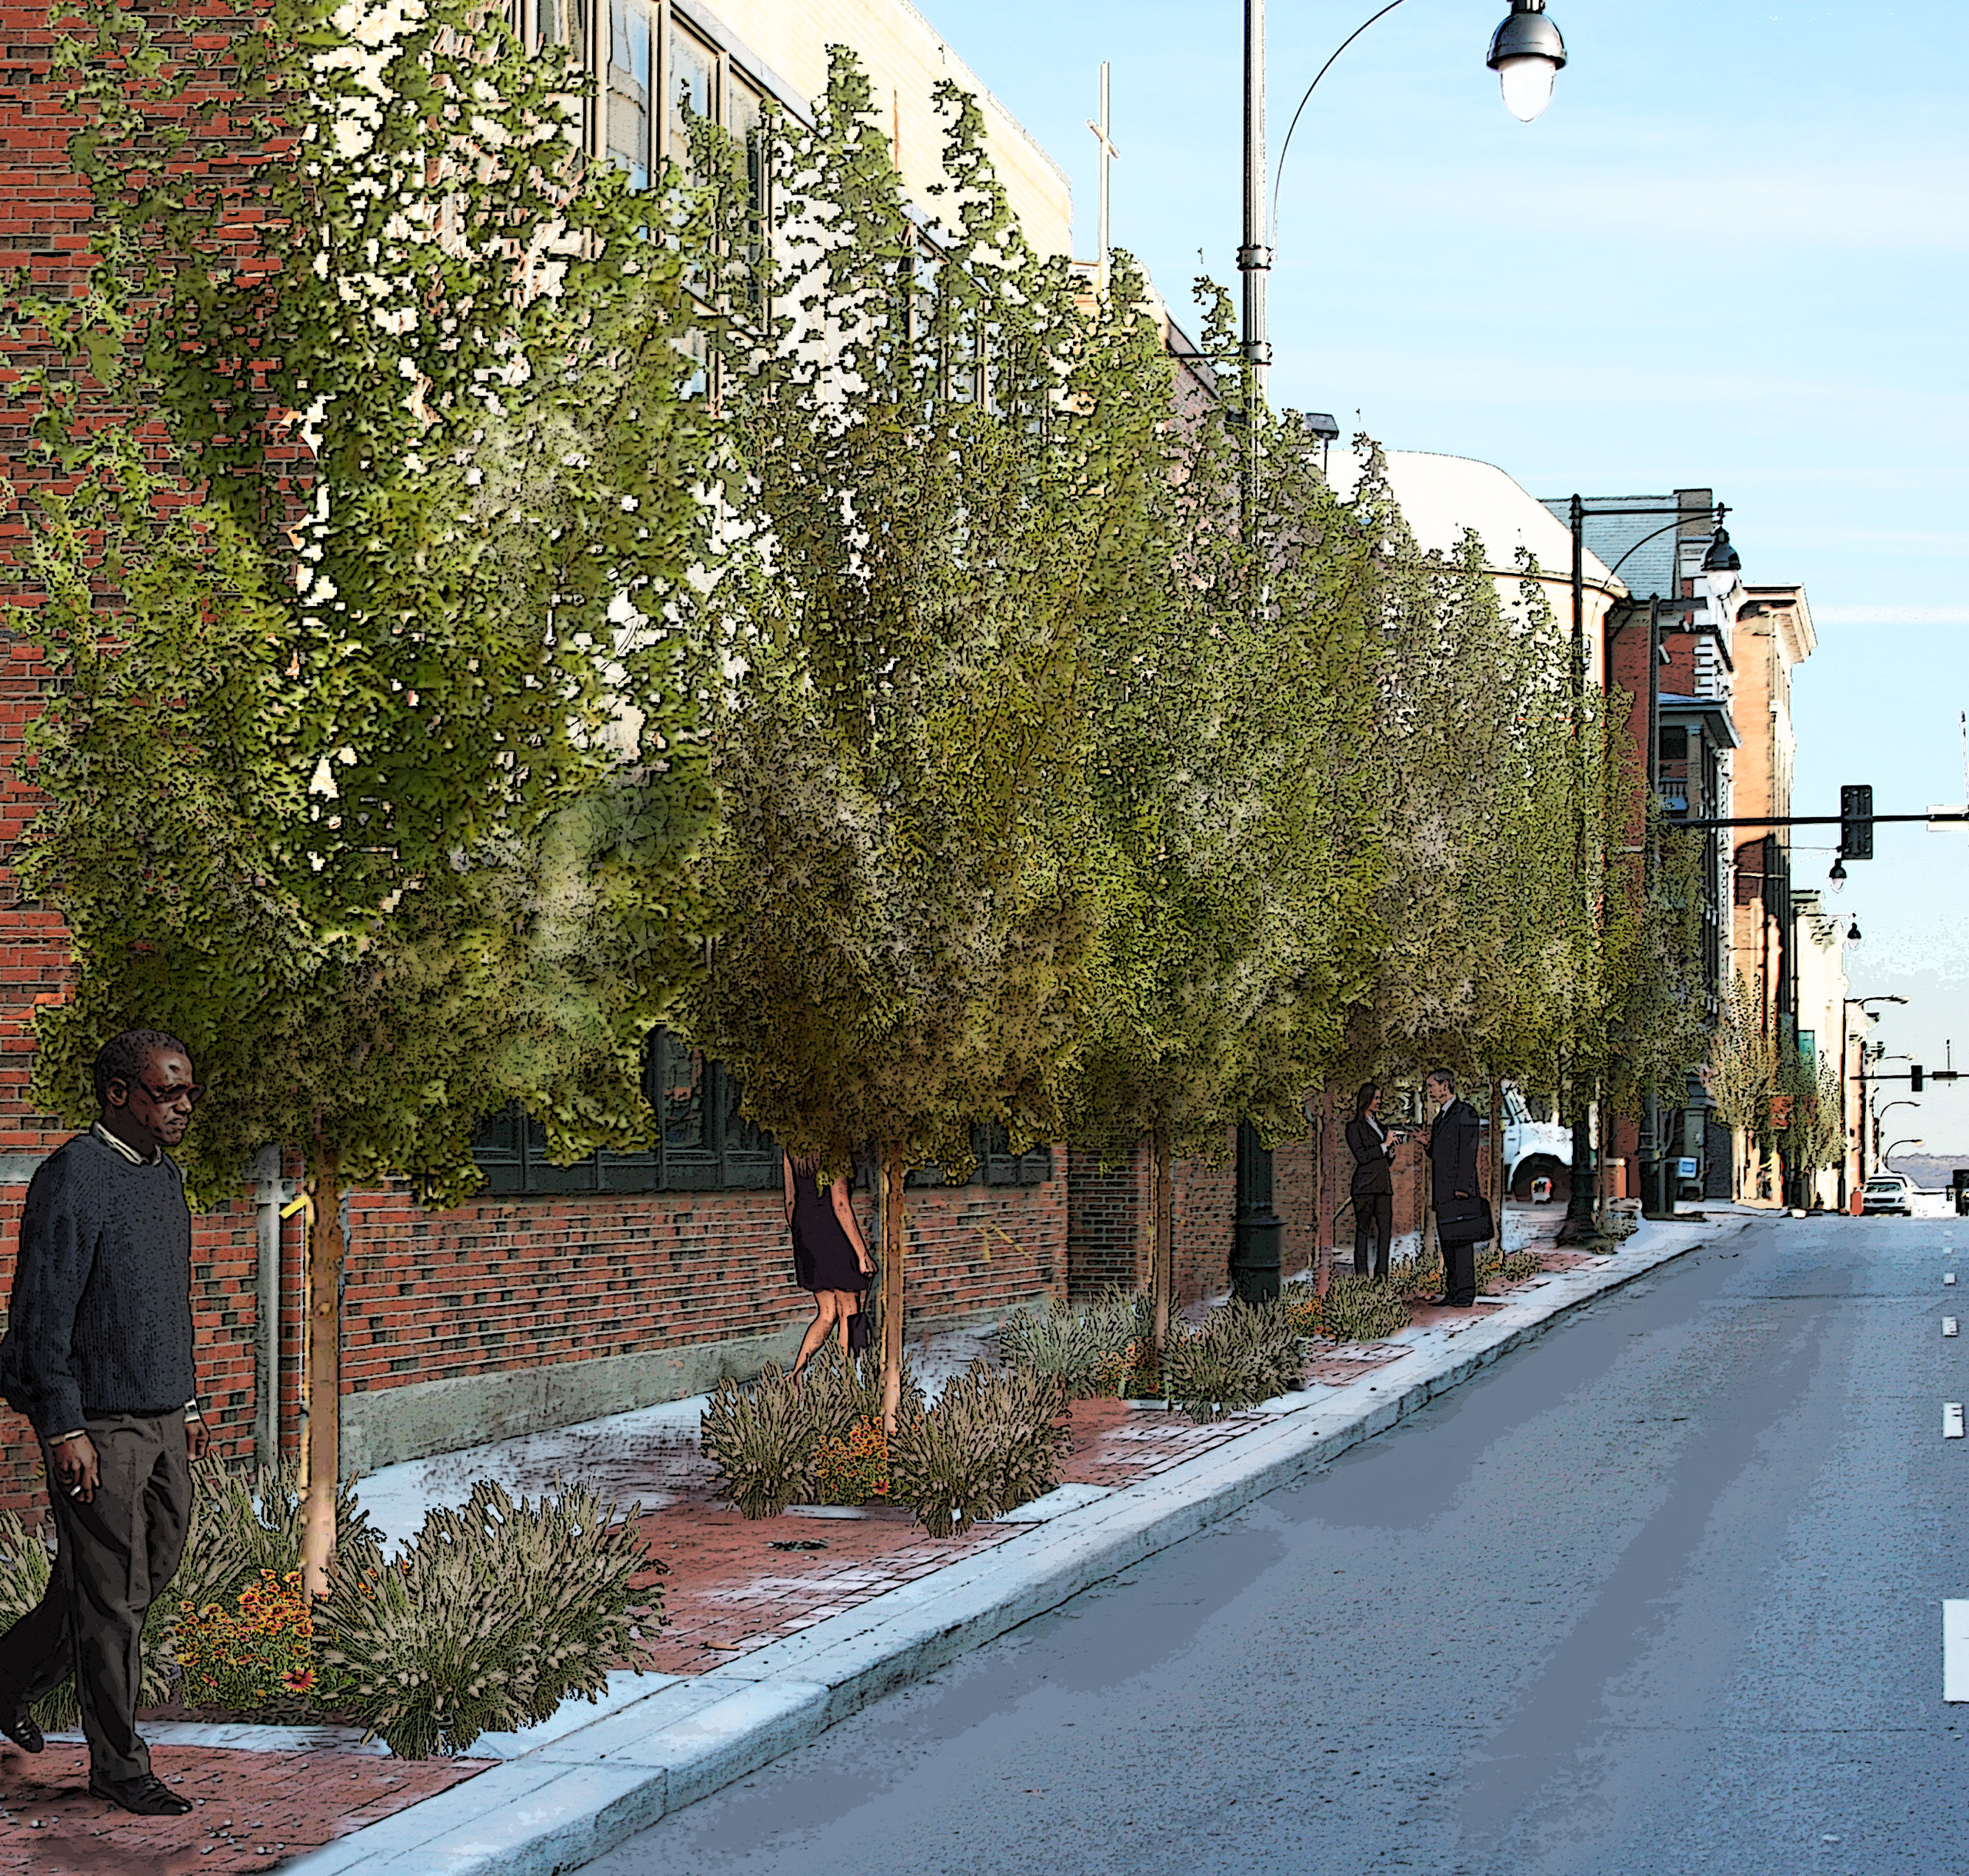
190	1093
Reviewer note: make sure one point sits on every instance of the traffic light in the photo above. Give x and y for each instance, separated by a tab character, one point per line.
1914	1079
1856	822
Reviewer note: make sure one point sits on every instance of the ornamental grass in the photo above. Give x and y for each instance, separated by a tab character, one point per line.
993	1440
1244	1354
496	1613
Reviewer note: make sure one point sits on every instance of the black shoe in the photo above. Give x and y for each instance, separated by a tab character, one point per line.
148	1797
18	1725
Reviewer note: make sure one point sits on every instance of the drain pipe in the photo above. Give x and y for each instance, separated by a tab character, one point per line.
272	1193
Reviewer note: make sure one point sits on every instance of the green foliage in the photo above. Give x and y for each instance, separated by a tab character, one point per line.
496	1613
991	1442
238	1530
838	1395
1816	1135
1244	1354
1741	1074
388	742
891	646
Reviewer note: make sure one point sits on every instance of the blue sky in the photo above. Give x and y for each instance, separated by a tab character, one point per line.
1732	253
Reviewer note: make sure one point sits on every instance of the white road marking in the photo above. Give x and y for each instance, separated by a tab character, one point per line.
1948	1325
1955	1650
1951	1420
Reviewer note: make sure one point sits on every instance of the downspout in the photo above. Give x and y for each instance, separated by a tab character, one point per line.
271	1192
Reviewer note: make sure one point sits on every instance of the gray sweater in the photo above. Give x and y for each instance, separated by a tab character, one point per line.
101	1317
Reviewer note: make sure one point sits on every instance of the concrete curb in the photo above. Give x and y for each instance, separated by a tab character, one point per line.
575	1797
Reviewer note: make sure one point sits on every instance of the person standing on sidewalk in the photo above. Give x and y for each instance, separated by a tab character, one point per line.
98	1356
830	1255
1372	1188
1451	1146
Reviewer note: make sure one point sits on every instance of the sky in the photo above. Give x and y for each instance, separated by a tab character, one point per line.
1732	254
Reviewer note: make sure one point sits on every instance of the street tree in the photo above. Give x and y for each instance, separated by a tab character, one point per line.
363	484
1229	696
902	920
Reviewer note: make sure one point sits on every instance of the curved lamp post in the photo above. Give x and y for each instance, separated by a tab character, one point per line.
1526	53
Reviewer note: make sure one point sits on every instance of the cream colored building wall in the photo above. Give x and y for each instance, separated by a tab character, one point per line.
1440	496
905	57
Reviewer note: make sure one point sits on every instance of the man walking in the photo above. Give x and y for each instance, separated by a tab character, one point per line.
1452	1150
98	1356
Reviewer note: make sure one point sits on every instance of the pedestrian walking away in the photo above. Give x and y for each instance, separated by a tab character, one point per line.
830	1255
98	1356
1451	1146
1373	1185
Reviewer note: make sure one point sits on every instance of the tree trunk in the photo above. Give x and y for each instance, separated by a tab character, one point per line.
321	1379
1161	1255
892	1257
1329	1202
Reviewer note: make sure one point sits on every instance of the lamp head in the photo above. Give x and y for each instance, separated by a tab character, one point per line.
1722	558
1526	54
1837	875
1853	932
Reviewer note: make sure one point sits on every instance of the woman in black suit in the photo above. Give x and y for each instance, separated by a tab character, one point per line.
1373	1185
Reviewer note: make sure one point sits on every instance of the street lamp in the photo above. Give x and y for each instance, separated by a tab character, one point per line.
1526	53
1887	1159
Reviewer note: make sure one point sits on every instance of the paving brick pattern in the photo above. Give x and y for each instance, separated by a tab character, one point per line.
254	1809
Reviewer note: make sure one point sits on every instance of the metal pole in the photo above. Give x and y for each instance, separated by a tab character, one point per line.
1581	1222
1254	257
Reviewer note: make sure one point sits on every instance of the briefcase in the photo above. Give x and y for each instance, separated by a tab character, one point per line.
1464	1221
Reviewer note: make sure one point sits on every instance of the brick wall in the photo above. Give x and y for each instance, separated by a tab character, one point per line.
1204	1204
1110	1237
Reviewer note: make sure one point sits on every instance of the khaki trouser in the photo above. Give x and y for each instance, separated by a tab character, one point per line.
117	1553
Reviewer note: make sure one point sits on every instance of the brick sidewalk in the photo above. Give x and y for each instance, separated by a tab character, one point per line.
254	1809
733	1584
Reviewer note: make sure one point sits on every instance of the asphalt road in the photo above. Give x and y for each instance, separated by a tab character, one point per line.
1659	1595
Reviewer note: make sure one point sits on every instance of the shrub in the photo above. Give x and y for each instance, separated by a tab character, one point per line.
237	1531
837	1395
1363	1309
261	1652
1080	1343
761	1439
497	1613
990	1443
1417	1276
846	1472
1244	1354
1305	1309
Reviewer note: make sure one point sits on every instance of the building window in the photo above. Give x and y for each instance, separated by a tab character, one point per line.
702	1144
631	41
997	1165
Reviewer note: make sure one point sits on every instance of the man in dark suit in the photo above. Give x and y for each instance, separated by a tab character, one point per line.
1452	1149
98	1356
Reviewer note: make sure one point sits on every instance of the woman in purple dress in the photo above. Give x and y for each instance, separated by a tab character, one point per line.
830	1255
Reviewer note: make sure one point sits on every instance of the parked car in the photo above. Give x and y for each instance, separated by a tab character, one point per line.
1888	1194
